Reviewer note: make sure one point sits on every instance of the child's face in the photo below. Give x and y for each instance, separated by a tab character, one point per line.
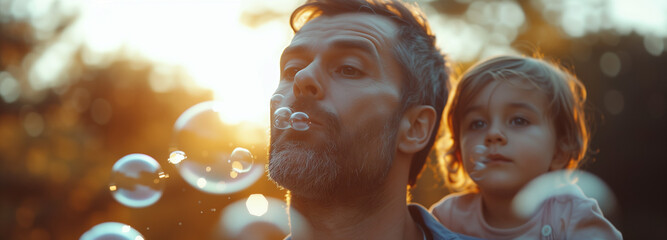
510	119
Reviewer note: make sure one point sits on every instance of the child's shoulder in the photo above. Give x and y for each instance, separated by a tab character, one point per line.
461	200
583	217
573	203
457	209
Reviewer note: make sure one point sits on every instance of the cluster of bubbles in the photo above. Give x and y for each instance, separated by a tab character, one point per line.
285	118
479	161
206	154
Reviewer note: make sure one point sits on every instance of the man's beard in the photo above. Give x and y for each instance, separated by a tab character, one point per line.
346	163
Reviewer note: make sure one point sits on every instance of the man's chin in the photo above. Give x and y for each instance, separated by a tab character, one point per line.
302	170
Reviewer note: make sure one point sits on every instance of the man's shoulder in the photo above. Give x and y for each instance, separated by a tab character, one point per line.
431	226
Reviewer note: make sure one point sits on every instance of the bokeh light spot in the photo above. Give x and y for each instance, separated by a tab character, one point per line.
614	101
257	204
654	45
101	111
10	90
33	123
610	64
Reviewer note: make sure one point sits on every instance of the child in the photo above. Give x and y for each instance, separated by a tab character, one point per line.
510	120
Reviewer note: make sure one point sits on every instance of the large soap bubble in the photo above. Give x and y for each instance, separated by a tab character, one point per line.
563	182
214	156
112	231
260	217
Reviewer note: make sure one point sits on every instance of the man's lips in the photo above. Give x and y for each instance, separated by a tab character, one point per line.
314	123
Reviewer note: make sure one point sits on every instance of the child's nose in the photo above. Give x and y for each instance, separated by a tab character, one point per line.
495	136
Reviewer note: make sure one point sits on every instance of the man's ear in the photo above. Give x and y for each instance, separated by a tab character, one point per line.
561	158
416	128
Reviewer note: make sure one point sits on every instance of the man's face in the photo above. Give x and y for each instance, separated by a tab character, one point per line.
339	70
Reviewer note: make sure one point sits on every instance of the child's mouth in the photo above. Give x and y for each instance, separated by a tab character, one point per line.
497	158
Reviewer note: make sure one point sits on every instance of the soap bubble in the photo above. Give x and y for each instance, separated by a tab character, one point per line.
299	121
276	100
286	118
260	217
137	180
479	160
112	231
241	160
214	156
562	183
281	118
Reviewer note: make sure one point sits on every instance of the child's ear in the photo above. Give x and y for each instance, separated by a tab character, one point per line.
415	128
561	158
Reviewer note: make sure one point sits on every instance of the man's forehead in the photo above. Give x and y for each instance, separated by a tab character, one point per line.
378	28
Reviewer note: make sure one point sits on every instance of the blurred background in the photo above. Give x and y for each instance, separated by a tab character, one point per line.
85	83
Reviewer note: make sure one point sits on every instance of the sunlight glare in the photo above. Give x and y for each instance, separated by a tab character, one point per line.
257	204
238	63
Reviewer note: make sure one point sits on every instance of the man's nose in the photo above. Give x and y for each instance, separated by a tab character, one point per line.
495	136
307	82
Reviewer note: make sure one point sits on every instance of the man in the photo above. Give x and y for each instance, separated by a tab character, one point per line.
374	85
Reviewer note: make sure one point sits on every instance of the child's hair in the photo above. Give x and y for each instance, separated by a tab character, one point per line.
566	95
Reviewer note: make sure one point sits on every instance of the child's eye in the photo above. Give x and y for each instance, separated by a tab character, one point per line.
519	121
477	124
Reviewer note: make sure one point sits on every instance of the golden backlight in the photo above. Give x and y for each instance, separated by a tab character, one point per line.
213	41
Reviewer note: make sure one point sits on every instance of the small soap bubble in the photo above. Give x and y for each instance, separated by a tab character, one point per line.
112	230
207	152
177	157
281	118
479	160
241	160
480	149
300	121
276	100
137	180
479	166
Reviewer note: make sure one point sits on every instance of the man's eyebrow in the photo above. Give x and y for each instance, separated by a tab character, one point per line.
364	46
292	50
336	45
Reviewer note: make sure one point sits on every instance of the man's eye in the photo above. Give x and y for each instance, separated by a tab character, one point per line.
519	121
349	71
477	124
290	72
